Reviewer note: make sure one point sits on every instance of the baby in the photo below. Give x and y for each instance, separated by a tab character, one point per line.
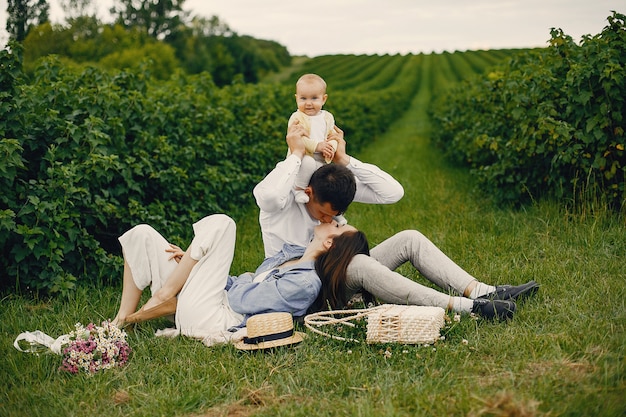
310	98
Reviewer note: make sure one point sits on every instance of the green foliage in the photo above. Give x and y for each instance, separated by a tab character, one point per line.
156	18
159	58
85	41
109	47
89	154
227	56
549	123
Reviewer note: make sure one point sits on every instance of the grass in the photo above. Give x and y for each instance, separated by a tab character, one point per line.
563	354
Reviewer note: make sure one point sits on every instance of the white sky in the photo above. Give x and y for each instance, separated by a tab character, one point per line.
326	27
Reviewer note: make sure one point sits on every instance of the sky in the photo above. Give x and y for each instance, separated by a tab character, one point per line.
329	27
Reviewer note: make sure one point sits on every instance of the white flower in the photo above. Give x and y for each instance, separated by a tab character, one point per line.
94	348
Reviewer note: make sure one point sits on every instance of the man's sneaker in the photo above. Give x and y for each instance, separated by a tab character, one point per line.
491	309
512	292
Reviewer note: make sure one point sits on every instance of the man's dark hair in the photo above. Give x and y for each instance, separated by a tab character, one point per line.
334	184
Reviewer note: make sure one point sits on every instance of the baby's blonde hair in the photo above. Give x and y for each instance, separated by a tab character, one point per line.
311	78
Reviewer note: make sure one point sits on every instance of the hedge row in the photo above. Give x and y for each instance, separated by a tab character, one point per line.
548	123
89	154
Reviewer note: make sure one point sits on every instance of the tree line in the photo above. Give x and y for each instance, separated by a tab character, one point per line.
155	35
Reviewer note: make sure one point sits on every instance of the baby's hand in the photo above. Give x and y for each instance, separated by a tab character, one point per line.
330	147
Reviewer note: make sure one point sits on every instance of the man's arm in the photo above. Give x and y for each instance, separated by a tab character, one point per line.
272	193
374	186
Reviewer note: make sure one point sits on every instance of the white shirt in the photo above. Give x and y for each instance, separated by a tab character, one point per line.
283	220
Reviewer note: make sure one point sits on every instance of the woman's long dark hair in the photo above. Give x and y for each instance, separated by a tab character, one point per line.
331	267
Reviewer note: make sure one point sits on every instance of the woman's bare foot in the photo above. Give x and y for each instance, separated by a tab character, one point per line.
118	322
156	299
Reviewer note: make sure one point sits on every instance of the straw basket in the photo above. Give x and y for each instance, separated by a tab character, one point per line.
386	323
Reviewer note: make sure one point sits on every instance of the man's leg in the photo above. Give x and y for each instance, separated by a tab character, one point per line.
365	272
428	259
434	265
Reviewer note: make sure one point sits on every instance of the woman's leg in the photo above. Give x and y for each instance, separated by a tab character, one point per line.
146	263
202	303
130	297
174	283
145	253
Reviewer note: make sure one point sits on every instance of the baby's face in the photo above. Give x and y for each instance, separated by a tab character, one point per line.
310	97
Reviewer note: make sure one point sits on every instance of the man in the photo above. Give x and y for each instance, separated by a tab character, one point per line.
330	191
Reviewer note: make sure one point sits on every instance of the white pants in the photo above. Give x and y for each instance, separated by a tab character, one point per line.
308	166
202	303
375	273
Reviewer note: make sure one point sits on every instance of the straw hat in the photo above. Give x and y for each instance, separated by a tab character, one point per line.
269	330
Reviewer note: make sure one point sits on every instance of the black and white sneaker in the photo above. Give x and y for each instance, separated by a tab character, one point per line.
512	292
492	309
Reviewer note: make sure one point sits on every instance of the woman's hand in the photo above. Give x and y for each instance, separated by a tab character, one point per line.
176	253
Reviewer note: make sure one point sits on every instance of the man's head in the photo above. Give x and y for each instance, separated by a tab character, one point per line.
331	190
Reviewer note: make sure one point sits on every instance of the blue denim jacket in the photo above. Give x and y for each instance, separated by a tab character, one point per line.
291	289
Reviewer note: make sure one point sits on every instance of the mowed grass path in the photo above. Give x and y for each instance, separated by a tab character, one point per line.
563	354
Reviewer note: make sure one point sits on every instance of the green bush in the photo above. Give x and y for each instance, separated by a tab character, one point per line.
549	123
192	49
89	154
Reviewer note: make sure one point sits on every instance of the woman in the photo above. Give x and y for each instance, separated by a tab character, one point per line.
196	286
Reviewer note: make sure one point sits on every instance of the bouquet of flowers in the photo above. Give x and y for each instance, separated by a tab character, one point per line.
93	348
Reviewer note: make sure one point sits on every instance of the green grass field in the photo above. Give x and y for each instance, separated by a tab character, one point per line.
562	355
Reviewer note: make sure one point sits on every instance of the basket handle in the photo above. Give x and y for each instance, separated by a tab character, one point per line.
316	320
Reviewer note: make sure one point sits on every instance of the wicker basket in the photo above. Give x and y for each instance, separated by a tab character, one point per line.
386	323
